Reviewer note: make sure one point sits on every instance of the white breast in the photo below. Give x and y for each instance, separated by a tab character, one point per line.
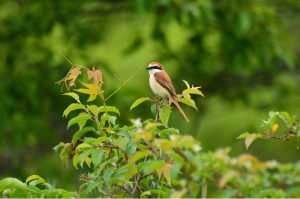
156	87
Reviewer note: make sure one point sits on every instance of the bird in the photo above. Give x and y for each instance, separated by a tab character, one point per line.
161	85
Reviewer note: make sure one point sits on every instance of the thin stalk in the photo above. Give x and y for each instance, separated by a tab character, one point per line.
125	82
204	188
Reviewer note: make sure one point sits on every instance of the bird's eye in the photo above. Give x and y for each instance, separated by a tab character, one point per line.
154	67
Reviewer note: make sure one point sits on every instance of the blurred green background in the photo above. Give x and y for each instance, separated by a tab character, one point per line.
244	54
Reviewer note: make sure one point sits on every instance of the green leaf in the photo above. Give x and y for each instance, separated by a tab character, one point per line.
66	153
130	148
93	109
153	109
80	133
12	183
145	193
193	90
138	102
82	147
151	166
84	156
159	192
35	177
109	118
120	142
227	177
105	109
80	120
123	170
288	120
145	135
75	160
243	136
101	139
97	156
107	173
250	139
139	155
88	161
71	94
60	145
164	114
72	107
189	102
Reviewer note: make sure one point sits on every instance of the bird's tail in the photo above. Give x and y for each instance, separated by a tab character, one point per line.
175	101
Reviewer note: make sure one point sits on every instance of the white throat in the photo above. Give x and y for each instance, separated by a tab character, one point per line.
155	86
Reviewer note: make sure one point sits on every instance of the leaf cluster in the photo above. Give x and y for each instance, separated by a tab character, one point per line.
279	125
34	187
150	159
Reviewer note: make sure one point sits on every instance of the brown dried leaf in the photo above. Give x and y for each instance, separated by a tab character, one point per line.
73	74
96	75
71	77
166	171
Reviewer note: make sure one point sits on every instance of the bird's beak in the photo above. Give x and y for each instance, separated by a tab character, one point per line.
148	68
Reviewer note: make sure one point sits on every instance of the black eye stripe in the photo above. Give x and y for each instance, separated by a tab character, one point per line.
154	67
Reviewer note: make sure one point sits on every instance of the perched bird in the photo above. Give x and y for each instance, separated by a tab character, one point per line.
162	86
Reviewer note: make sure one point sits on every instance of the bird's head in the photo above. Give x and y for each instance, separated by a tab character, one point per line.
155	67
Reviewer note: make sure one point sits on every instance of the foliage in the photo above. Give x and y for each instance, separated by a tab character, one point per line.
290	128
150	159
190	37
34	187
136	160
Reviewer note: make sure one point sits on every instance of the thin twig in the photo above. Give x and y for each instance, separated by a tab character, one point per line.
125	82
74	64
126	190
288	134
204	188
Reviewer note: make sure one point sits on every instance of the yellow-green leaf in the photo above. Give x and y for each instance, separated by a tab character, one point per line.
80	120
101	139
164	114
75	160
193	90
229	175
189	102
35	177
59	146
250	139
145	194
73	95
72	107
88	161
104	109
93	109
83	146
80	133
151	166
138	102
91	89
139	155
243	136
145	135
97	156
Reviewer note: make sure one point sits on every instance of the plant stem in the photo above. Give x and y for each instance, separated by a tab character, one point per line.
204	188
125	82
